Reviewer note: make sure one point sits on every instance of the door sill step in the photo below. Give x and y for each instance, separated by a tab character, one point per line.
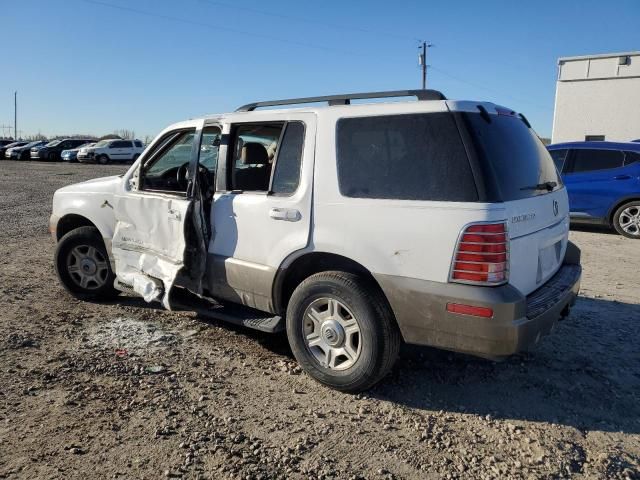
227	312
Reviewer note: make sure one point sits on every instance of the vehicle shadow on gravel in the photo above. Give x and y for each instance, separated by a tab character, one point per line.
586	375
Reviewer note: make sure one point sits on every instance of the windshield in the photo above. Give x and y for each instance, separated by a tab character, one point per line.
102	143
86	145
53	143
512	158
33	144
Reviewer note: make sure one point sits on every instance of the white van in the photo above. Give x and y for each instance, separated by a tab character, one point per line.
107	151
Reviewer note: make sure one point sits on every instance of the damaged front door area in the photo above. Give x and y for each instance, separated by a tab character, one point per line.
159	228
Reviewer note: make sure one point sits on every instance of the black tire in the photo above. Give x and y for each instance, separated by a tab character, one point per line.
135	157
83	237
378	332
621	214
102	159
25	155
52	157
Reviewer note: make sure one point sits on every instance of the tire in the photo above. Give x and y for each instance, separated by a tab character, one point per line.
367	356
90	247
626	220
52	157
25	156
103	159
135	157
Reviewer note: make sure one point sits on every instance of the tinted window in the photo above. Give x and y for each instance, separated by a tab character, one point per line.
631	157
513	159
121	144
585	160
594	138
138	143
558	157
287	170
407	157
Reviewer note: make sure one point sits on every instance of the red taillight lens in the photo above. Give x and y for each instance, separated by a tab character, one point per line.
481	255
470	310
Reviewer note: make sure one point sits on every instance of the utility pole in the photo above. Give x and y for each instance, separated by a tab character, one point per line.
422	61
15	115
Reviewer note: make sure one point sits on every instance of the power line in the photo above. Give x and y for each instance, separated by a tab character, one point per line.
483	87
219	27
336	26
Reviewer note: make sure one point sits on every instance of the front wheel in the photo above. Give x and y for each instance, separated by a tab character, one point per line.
103	159
341	331
82	265
626	220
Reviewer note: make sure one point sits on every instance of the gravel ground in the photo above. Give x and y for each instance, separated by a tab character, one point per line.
127	390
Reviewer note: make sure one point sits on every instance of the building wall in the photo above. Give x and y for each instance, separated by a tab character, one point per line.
597	96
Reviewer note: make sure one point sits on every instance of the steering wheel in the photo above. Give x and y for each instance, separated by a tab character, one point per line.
182	176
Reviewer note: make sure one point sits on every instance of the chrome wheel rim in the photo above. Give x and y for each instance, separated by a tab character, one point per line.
87	267
629	220
332	334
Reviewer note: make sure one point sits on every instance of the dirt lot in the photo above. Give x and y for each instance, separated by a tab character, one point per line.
126	390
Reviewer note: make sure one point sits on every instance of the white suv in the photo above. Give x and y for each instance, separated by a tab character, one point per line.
106	151
354	227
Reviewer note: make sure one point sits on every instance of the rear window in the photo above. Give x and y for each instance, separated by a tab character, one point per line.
512	156
405	157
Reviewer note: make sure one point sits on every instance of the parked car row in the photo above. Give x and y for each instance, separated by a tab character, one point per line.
73	149
603	183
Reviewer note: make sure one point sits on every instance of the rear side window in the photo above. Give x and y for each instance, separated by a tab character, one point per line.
138	143
559	157
585	160
405	157
512	158
631	157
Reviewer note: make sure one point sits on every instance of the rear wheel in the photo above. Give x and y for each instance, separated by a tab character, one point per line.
82	265
626	220
103	159
342	331
52	157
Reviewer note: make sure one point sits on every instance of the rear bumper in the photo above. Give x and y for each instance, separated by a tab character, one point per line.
518	321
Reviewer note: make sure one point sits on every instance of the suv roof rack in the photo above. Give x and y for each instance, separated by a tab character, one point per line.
345	98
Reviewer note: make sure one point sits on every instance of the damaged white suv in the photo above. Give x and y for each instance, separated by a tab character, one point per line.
355	227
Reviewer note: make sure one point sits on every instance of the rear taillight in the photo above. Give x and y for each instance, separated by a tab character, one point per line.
482	255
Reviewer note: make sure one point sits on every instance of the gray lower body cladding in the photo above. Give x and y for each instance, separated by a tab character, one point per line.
518	321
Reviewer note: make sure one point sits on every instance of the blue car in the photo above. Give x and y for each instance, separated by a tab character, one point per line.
603	182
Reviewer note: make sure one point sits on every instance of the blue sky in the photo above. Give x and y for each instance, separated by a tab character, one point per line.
94	66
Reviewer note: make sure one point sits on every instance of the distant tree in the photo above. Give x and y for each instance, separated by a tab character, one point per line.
148	139
125	134
110	136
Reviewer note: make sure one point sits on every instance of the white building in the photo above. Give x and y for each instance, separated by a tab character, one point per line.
598	98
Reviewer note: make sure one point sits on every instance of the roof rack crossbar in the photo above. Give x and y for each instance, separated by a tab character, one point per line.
345	99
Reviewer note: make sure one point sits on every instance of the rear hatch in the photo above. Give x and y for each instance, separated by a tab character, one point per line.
512	167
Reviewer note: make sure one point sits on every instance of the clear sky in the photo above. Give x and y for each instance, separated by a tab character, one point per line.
94	66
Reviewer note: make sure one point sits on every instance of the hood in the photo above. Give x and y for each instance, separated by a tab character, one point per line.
96	185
